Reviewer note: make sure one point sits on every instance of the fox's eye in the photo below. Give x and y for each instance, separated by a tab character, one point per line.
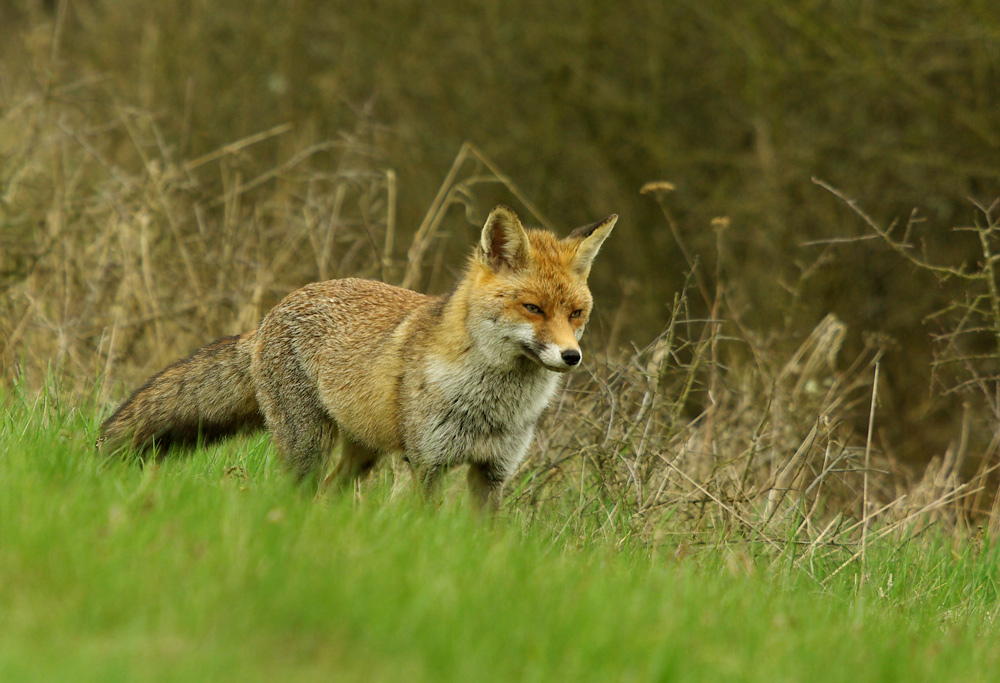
532	308
577	313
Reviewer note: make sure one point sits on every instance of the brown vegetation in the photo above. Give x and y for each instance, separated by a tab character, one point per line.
169	173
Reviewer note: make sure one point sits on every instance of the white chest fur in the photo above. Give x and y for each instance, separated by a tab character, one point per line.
480	412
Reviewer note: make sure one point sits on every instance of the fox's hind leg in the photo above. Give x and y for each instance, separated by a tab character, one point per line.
303	432
356	460
304	442
304	438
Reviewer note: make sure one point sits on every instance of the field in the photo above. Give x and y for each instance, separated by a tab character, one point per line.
779	460
214	567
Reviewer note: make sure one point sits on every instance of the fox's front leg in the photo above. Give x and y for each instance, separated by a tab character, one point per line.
356	460
486	481
427	476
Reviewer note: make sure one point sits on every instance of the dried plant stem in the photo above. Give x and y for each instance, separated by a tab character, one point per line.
868	464
447	193
390	223
234	147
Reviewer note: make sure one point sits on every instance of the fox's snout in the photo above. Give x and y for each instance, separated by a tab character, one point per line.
552	357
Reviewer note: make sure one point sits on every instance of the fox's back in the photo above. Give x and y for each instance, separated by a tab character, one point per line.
344	336
350	319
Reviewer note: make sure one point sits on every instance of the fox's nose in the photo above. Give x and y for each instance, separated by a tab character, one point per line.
571	357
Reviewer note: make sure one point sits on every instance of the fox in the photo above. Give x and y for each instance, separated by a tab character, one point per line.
457	379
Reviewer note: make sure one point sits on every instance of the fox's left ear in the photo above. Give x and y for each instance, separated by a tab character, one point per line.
504	243
591	238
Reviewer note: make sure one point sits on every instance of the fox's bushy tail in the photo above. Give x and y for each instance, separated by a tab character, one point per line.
208	395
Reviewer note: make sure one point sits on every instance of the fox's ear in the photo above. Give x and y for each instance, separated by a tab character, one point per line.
590	237
504	243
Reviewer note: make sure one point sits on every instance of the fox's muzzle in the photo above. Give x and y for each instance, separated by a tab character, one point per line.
571	357
551	357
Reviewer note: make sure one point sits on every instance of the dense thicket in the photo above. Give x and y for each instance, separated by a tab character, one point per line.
579	104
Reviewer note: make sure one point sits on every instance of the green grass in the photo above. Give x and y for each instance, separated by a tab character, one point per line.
214	567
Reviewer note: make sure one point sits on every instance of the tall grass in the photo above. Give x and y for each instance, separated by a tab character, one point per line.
737	105
124	257
118	256
126	245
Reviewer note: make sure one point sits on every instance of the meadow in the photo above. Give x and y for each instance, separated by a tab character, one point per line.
213	566
778	461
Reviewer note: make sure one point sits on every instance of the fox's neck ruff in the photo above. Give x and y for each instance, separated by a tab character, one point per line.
485	367
488	410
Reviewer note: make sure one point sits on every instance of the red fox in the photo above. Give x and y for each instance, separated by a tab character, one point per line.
455	379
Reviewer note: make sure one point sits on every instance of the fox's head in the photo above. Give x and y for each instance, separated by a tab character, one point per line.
531	295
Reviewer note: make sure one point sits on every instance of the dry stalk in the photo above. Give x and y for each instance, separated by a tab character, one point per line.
868	462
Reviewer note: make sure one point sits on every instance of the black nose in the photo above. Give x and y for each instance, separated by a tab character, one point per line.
571	357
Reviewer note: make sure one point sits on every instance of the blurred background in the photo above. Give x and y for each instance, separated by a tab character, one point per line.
170	170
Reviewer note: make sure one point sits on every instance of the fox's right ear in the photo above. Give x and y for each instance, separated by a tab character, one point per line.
504	243
589	240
